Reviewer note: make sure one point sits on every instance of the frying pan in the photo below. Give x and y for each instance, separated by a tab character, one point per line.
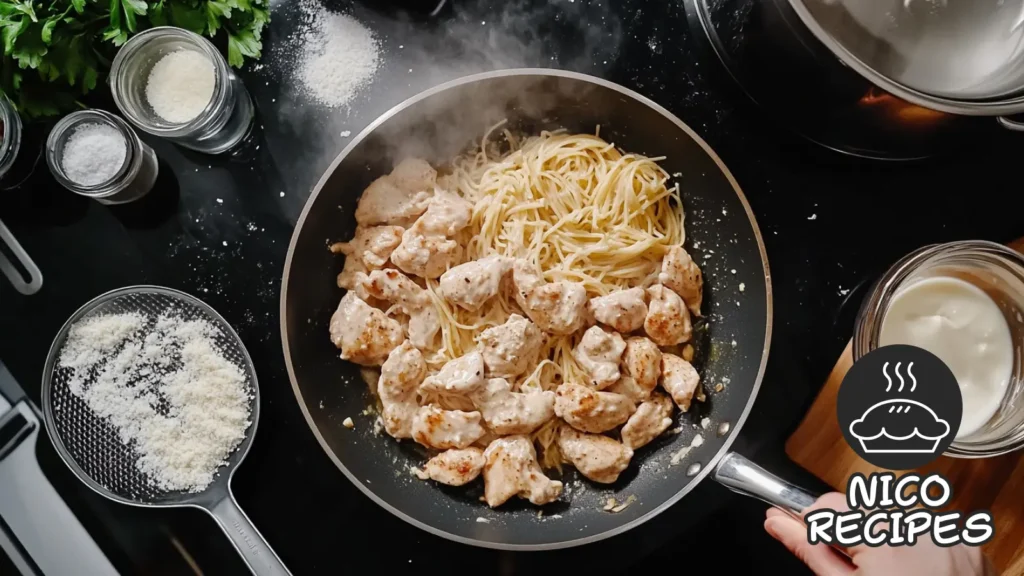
732	351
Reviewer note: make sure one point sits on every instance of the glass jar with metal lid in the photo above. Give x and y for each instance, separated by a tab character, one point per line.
131	181
219	126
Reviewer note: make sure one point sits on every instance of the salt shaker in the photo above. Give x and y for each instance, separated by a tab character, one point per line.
94	167
215	125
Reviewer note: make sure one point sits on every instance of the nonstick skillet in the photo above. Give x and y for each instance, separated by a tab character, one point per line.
721	234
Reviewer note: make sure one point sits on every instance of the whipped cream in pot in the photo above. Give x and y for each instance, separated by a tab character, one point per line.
965	328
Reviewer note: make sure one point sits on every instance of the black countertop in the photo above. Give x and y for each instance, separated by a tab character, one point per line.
218	227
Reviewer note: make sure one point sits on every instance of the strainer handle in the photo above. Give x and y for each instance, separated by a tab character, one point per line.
258	555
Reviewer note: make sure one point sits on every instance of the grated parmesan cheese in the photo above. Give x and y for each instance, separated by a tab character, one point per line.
171	394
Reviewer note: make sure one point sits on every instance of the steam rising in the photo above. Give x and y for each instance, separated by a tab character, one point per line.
896	370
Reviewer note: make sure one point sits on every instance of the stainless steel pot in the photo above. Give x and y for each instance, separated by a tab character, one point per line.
963	57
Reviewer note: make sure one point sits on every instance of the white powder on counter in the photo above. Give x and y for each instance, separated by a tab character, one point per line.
180	85
166	388
338	55
93	154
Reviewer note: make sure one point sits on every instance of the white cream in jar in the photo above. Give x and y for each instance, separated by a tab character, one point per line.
964	327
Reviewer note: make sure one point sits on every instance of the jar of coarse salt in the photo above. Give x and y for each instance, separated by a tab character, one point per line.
175	84
98	155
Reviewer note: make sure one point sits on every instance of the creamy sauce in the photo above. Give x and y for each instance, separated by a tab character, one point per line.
964	327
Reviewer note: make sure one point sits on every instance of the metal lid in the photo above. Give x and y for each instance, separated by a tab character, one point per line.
956	49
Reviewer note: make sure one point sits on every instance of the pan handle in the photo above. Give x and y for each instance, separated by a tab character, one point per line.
1010	124
744	477
35	277
258	556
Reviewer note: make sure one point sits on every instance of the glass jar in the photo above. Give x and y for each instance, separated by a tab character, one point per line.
10	141
132	181
999	272
221	125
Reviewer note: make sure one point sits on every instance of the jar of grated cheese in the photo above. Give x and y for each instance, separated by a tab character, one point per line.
175	84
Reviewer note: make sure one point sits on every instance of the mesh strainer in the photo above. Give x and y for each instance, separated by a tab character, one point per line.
90	445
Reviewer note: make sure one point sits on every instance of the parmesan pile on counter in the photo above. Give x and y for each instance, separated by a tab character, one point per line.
165	386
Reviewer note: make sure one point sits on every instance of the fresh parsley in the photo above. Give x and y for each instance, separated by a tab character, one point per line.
56	51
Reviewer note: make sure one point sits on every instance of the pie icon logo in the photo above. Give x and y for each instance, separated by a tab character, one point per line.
899	407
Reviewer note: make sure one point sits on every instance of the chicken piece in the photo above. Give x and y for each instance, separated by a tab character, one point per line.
454	467
426	256
368	250
472	284
509	348
628	387
642	362
668	321
557	307
507	412
444	429
598	353
599	458
651	418
589	410
398	198
400	376
680	274
364	334
680	379
623	311
511	469
393	286
447	214
462	375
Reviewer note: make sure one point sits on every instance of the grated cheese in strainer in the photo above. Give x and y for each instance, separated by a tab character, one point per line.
166	388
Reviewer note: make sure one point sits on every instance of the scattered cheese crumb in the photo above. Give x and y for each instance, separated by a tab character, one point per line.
812	217
742	286
733	271
348	423
705	422
346	133
220	201
733	343
629	500
418	473
481	520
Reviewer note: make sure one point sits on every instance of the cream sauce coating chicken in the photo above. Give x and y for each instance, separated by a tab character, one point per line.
472	284
680	273
400	197
454	467
599	458
628	387
557	307
397	288
599	353
400	376
364	334
509	348
462	375
426	256
511	469
642	362
444	429
369	250
507	412
650	420
623	311
680	379
447	214
589	410
668	321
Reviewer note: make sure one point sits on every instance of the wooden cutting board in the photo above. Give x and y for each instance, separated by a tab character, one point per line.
995	484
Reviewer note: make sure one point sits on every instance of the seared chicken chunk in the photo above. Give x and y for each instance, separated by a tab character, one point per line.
426	256
447	214
511	469
557	307
648	422
628	387
680	273
400	376
589	410
454	467
624	310
397	288
597	457
462	375
507	412
509	348
472	284
368	250
668	321
444	429
598	353
398	198
680	379
642	362
364	334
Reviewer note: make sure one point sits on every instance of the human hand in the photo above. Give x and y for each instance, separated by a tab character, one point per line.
923	559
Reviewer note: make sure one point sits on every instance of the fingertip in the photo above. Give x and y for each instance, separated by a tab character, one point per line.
772	512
